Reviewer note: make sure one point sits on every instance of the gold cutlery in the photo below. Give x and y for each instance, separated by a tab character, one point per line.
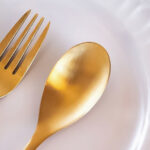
13	65
73	87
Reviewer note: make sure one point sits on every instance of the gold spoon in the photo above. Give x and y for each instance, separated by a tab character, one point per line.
73	87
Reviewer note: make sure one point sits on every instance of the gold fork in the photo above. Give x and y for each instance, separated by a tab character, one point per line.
13	65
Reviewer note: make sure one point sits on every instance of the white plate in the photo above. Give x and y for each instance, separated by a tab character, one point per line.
118	121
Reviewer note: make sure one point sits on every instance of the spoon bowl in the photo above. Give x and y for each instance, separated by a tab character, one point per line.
73	87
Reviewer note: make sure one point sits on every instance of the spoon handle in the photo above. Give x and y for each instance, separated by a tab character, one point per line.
38	137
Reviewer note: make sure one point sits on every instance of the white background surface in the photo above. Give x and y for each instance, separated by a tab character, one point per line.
120	120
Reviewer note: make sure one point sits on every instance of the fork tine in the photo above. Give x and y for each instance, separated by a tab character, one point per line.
32	54
21	52
10	53
11	34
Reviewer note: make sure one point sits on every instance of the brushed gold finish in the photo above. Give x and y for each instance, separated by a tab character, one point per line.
73	87
21	52
12	66
11	34
18	41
